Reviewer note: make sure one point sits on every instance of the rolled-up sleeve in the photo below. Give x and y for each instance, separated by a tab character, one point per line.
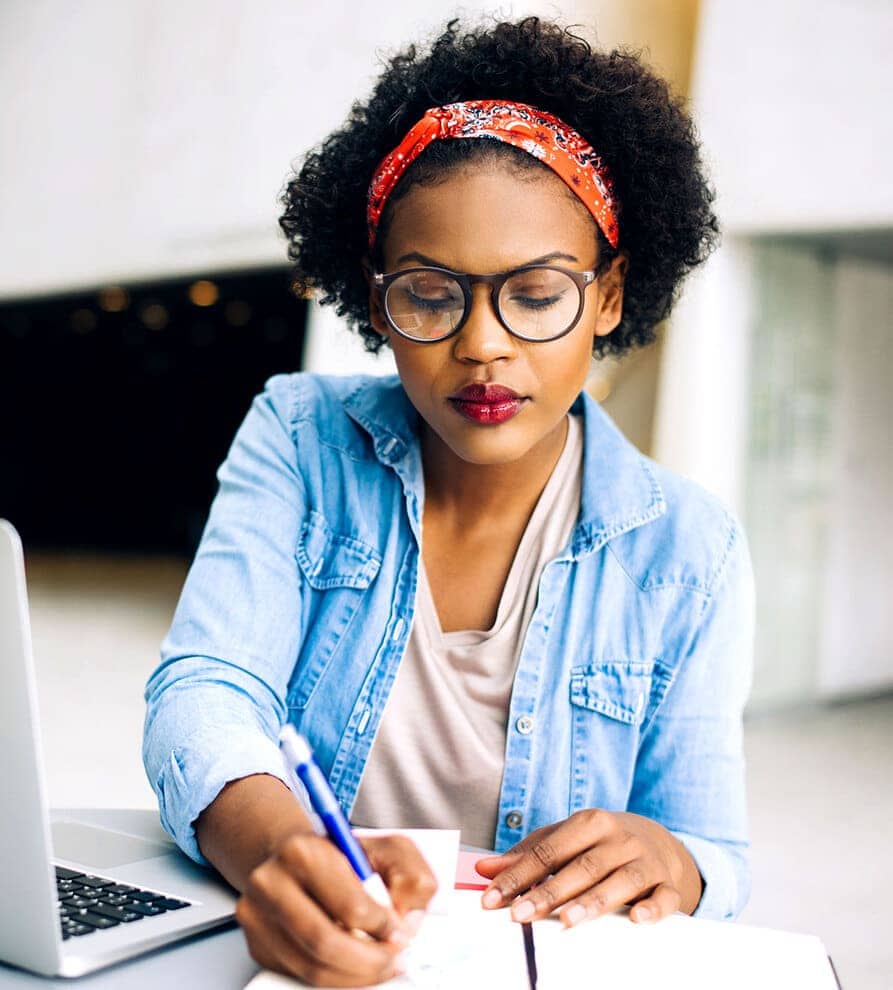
690	769
216	701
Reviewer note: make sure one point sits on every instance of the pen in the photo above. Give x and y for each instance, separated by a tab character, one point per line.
300	759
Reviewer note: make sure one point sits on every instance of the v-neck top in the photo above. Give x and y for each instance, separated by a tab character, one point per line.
438	757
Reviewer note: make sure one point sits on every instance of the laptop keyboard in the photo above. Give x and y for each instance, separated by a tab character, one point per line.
88	904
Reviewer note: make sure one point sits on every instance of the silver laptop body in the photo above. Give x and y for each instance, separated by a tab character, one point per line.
30	928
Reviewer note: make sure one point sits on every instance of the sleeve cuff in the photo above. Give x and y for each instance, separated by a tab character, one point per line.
725	874
190	780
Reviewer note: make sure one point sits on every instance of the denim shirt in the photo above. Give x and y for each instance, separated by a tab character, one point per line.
633	671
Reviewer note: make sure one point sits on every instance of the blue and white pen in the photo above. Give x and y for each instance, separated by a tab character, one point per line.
299	756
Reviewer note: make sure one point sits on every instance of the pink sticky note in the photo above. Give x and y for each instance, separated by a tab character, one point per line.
467	877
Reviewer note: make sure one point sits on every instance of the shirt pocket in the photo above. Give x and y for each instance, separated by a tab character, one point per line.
608	702
338	569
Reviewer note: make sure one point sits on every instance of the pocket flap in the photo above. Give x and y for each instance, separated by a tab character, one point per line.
616	688
331	560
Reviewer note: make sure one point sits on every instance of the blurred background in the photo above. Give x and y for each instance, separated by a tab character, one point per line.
144	300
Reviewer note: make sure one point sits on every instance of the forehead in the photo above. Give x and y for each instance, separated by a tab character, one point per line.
489	218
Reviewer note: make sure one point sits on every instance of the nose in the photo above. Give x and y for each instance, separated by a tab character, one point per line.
483	338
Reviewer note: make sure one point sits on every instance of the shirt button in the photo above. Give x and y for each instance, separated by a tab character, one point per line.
514	819
524	725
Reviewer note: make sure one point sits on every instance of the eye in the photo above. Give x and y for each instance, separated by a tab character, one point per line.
538	289
430	291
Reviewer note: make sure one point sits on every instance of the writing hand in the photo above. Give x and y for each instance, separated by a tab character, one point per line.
590	864
304	911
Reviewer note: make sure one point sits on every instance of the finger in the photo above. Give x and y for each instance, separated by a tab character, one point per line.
664	900
489	866
581	874
546	853
627	883
496	861
302	954
329	879
405	871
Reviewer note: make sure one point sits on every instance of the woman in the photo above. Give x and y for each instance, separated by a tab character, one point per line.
484	607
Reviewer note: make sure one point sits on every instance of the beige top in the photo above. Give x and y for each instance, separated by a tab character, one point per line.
438	756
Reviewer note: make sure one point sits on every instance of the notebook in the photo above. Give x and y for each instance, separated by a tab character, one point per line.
464	946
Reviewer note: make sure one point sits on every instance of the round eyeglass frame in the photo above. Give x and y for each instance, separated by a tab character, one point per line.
496	282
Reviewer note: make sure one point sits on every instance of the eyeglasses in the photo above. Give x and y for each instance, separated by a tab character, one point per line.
535	303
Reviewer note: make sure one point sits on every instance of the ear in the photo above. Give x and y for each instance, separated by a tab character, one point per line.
376	313
611	295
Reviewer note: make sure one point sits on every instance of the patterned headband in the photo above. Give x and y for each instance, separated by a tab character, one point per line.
540	134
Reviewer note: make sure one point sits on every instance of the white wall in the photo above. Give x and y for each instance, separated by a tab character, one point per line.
152	137
856	644
793	101
701	420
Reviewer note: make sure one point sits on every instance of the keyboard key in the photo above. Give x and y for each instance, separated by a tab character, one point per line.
77	930
147	910
120	888
146	895
95	882
81	902
171	903
115	900
96	920
63	874
116	913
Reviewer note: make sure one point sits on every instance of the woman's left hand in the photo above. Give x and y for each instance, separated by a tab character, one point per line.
590	864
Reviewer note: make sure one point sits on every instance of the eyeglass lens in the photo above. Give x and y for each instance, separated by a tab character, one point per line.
538	303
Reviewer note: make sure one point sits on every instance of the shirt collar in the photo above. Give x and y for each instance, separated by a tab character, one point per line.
620	490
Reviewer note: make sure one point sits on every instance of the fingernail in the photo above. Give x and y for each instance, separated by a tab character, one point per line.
523	910
412	922
642	914
399	937
574	914
492	898
399	967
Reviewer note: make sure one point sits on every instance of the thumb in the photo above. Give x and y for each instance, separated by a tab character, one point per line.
405	871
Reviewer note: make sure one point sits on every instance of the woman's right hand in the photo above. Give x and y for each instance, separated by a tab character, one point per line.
303	909
305	912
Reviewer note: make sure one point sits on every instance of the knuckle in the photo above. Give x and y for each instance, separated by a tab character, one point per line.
509	883
426	885
546	895
258	883
590	865
359	913
544	852
294	851
634	874
598	899
589	817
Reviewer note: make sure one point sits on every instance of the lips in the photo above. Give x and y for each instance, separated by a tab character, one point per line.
486	403
485	393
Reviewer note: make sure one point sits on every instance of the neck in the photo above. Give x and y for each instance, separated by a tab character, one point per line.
471	493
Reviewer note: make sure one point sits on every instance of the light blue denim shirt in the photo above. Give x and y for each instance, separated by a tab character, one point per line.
634	669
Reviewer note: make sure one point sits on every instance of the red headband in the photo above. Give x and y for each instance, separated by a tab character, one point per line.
540	134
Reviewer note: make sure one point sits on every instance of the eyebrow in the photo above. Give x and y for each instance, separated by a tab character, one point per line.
423	259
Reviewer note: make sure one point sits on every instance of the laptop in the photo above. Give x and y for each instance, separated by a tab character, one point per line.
77	897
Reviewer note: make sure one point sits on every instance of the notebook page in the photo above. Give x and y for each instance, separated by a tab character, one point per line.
678	953
465	949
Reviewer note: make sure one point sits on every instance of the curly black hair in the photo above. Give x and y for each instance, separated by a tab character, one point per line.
630	117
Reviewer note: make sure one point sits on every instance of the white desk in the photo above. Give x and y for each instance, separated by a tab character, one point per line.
216	960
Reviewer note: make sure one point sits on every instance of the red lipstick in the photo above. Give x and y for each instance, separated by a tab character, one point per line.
488	404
